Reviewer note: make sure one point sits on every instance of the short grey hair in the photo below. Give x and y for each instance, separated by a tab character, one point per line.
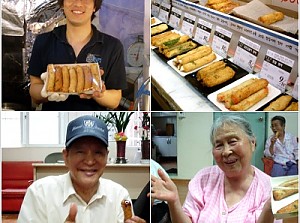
231	119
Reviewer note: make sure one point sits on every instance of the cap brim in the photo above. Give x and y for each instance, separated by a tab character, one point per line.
85	135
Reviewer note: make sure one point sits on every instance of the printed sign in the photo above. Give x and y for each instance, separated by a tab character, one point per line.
221	41
188	24
164	12
175	18
203	31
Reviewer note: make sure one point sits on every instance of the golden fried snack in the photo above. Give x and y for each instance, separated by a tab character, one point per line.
219	77
179	49
292	107
225	6
250	101
58	79
96	77
291	188
66	79
225	94
80	79
158	29
292	207
279	104
198	63
173	42
203	51
238	96
171	36
152	20
126	205
271	18
73	80
210	69
88	78
51	78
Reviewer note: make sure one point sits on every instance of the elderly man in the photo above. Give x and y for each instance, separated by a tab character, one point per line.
80	195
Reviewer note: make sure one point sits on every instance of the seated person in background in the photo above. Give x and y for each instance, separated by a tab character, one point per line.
160	209
81	195
283	148
232	191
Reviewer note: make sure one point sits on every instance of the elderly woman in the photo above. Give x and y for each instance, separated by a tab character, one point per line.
232	191
282	146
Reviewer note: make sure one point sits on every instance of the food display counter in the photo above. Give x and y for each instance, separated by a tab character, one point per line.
255	49
133	177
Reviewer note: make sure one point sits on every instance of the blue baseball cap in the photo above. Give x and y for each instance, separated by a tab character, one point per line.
86	126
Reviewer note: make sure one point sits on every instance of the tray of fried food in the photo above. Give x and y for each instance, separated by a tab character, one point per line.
159	28
257	12
193	60
246	94
283	102
81	78
155	21
167	37
215	76
285	196
225	6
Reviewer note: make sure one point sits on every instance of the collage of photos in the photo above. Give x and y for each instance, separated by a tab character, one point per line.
149	111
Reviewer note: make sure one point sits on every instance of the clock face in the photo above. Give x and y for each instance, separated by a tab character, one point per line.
135	54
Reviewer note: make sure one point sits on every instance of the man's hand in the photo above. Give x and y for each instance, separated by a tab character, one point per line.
135	219
72	214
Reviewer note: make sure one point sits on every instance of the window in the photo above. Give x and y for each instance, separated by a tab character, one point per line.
46	129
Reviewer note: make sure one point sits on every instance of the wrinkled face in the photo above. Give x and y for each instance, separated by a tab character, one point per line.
86	160
78	12
277	127
233	150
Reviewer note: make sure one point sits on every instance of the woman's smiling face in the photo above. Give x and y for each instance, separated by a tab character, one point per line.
232	150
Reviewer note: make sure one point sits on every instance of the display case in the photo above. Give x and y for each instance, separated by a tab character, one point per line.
233	38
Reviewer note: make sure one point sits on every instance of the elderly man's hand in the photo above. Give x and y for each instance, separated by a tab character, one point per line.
72	214
135	219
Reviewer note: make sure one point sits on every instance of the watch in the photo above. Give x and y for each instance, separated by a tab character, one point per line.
135	54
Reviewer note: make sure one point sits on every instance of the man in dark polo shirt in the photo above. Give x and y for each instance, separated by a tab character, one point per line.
79	42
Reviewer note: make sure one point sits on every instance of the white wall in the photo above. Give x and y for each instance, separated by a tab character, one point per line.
291	124
39	154
193	144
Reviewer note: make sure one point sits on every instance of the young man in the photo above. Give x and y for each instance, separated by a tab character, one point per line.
80	195
79	42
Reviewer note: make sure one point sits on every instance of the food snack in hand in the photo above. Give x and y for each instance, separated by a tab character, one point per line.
73	78
292	207
279	104
286	189
126	205
271	18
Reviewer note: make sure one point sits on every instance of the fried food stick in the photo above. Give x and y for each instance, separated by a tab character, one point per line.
58	79
51	78
96	77
291	188
66	79
73	80
80	79
126	205
250	101
88	78
271	18
210	69
279	104
292	207
198	63
219	77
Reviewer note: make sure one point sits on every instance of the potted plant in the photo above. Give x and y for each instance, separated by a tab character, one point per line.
144	132
120	121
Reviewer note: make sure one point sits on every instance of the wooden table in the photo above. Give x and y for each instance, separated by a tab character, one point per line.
132	176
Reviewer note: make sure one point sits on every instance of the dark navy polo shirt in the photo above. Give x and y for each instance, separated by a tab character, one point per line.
53	48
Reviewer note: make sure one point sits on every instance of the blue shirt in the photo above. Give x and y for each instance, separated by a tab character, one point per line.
53	48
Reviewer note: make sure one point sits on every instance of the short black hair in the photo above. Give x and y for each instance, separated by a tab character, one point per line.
281	119
97	4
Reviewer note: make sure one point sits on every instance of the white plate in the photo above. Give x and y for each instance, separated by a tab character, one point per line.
273	92
183	74
276	205
157	21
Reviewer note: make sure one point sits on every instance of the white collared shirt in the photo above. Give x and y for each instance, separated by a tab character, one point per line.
48	200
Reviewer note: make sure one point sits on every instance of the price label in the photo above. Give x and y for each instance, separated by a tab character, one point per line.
246	54
188	24
175	17
276	69
155	8
203	31
164	12
295	90
221	41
